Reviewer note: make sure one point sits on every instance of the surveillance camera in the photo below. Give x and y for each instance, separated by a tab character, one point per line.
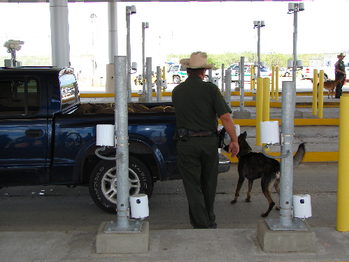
301	7
145	25
262	23
14	44
255	23
289	63
290	6
163	83
133	9
134	66
299	63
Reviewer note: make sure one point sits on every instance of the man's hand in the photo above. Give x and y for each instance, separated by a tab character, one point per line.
233	148
228	124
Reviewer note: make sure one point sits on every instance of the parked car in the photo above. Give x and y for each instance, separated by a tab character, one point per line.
178	73
247	71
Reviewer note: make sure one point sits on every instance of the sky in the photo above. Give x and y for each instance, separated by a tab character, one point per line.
182	28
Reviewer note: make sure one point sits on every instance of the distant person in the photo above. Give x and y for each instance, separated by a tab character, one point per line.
198	105
340	74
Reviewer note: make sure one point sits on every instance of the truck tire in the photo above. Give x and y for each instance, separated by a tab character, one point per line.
103	185
176	79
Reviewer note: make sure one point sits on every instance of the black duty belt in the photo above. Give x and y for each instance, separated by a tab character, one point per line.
201	133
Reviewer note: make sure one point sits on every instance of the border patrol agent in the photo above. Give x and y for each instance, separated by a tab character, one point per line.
340	74
197	105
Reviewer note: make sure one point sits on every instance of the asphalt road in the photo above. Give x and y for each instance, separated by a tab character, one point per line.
58	208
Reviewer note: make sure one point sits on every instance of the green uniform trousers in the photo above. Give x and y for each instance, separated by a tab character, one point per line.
198	165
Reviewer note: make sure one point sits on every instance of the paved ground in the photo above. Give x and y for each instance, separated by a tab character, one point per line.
60	224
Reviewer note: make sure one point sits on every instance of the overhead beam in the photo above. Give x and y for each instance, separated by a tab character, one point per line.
159	1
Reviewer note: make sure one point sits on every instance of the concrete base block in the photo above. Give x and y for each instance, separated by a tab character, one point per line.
122	242
241	114
285	241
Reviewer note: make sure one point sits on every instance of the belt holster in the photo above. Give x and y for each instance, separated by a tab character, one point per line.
180	134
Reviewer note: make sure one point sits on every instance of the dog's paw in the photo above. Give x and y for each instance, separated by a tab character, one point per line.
265	214
277	207
248	199
233	201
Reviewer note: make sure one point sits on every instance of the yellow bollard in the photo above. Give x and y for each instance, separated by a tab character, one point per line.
259	110
315	82
266	99
272	81
252	83
164	72
321	94
277	85
343	167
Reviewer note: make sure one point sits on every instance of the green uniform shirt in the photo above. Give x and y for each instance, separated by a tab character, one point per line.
197	104
341	66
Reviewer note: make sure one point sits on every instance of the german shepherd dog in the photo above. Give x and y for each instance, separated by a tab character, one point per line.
330	86
254	165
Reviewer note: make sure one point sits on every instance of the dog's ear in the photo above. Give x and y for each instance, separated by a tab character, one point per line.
244	135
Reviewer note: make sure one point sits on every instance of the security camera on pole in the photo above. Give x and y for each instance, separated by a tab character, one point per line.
258	25
144	26
13	46
289	233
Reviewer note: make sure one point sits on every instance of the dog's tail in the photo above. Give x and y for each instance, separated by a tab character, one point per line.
298	157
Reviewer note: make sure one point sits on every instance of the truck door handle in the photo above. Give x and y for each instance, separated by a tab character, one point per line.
34	133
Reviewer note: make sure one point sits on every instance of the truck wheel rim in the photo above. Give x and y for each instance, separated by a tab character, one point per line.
109	184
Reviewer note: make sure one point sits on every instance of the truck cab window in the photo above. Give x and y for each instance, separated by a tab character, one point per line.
19	95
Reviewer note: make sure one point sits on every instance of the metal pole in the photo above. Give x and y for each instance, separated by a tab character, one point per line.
143	57
112	31
149	82
222	78
294	71
286	165
228	87
242	83
259	50
158	84
128	51
121	126
59	33
13	57
210	75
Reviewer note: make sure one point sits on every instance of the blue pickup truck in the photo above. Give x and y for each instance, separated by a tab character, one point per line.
47	137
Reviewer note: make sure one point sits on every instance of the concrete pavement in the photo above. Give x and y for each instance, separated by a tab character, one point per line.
171	237
167	245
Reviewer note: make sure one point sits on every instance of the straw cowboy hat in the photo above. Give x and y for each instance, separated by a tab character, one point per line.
340	55
197	60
